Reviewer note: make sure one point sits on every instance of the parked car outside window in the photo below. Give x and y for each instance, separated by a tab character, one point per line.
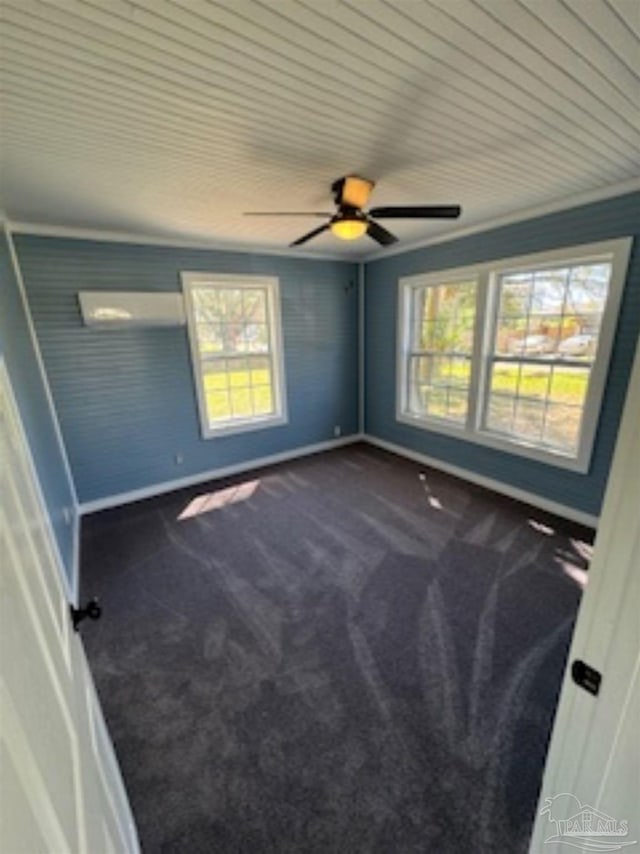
578	345
533	345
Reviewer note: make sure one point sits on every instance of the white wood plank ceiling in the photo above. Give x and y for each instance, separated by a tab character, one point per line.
172	118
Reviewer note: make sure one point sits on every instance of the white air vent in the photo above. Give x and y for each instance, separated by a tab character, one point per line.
117	309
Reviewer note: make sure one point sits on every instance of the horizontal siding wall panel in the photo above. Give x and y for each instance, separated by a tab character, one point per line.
605	220
126	398
17	349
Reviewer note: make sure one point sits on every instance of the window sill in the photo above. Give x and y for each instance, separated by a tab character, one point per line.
579	463
231	428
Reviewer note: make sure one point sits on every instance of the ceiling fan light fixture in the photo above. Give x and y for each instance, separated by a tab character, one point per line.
348	228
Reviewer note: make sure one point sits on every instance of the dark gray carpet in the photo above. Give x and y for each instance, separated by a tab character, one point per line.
363	656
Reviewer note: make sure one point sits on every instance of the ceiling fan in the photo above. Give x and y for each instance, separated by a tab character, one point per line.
350	221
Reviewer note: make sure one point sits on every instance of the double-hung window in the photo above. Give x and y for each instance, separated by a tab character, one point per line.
441	318
236	348
513	354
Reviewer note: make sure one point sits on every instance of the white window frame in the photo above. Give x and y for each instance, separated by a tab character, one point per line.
487	276
408	287
271	284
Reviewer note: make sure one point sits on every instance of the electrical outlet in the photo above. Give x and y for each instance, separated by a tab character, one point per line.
337	431
178	459
67	515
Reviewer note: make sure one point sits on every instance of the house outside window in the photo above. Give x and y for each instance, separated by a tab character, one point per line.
236	348
513	354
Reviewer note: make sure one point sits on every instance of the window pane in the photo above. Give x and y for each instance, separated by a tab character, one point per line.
256	338
501	412
237	388
218	406
571	326
457	404
238	373
434	401
437	387
210	338
260	371
569	385
504	377
549	291
234	337
255	305
231	304
527	401
460	372
446	316
533	381
510	332
528	419
538	338
515	295
241	402
206	303
562	427
589	286
215	375
430	370
262	399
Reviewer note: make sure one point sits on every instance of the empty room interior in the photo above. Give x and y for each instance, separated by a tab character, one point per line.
320	436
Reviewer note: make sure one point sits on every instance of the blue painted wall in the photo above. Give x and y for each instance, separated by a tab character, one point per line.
126	399
17	349
612	218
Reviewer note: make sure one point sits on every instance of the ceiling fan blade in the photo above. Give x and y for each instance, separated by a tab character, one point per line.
380	234
286	213
418	212
310	234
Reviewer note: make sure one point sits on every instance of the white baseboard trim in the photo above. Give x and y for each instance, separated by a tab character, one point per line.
121	498
488	482
307	450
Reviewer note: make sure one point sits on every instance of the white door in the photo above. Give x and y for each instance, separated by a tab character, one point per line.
60	786
590	796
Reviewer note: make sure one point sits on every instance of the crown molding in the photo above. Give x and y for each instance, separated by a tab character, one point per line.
105	236
610	191
40	229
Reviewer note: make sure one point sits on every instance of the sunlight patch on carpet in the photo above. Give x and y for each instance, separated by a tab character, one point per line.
218	499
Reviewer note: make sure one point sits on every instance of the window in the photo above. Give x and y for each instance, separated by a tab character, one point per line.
236	348
513	354
440	350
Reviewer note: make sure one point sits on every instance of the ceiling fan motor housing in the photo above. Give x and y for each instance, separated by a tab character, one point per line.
352	191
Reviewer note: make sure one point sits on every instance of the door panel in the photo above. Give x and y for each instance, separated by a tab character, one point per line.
61	789
24	829
595	745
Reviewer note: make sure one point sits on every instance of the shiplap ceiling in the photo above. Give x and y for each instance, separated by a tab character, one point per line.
172	118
